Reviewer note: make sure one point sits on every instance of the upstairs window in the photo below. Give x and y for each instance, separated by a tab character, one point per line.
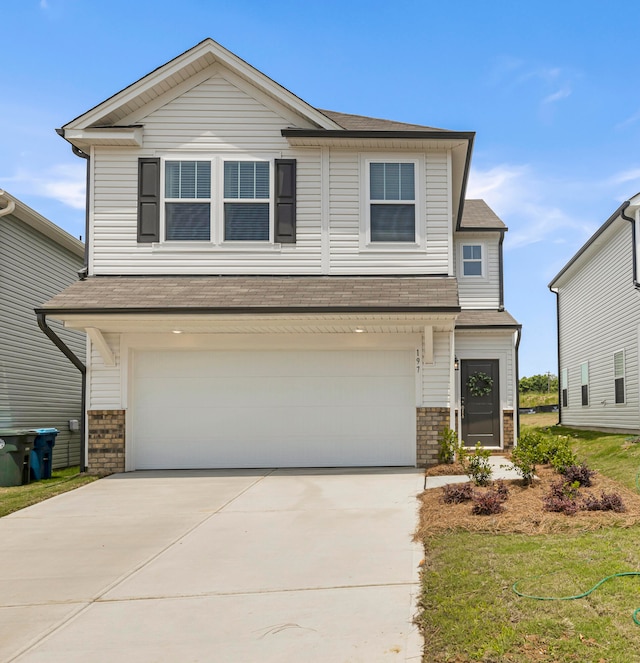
584	381
246	201
472	260
618	372
392	202
564	387
187	192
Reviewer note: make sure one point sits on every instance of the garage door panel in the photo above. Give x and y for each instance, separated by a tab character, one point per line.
346	408
276	391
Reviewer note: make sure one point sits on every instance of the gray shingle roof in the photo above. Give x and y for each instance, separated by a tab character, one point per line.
478	215
259	293
364	123
482	318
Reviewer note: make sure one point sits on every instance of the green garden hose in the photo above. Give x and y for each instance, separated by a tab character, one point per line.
636	613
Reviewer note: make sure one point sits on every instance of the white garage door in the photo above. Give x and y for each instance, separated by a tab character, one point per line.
208	409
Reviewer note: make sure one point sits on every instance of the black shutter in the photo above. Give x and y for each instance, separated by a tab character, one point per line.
285	212
148	200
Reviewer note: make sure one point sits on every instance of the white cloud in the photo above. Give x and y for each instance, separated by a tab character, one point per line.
625	176
525	202
44	4
64	183
632	119
557	96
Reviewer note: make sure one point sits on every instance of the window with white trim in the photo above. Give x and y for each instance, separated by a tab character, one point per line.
218	200
472	260
618	376
392	201
246	201
187	193
564	387
584	382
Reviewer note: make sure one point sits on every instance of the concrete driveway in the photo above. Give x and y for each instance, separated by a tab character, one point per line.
230	566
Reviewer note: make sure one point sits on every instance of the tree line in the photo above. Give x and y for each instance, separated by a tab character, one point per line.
539	383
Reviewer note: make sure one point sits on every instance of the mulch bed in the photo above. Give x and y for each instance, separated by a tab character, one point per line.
523	511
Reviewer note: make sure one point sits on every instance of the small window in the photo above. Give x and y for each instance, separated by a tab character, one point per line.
392	202
618	371
564	386
246	201
185	183
472	260
584	380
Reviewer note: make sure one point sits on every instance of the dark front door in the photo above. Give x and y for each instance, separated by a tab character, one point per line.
480	404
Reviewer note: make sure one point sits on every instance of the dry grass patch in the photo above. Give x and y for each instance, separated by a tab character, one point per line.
523	511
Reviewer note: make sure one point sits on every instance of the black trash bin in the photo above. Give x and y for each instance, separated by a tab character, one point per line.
15	456
42	453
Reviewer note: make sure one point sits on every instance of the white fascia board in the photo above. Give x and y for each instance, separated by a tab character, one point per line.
125	136
222	55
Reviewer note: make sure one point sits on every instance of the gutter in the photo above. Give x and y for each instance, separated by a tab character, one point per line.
633	243
9	208
73	358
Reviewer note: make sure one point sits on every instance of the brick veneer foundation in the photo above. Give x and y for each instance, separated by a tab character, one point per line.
430	422
106	441
507	429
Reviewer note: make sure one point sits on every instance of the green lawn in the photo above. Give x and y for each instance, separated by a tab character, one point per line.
472	614
18	497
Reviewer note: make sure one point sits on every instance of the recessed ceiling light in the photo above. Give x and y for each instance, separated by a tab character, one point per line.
177	331
358	330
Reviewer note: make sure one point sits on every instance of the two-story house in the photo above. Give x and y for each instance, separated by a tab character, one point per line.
270	284
598	309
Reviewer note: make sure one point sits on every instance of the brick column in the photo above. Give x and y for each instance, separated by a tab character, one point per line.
430	422
106	441
507	429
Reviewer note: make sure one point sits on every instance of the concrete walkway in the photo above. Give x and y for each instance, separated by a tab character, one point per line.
500	468
229	566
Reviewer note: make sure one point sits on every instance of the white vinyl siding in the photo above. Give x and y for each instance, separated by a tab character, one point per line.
39	386
436	377
104	381
483	291
599	315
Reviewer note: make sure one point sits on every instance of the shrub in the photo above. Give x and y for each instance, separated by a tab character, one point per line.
448	445
557	504
456	493
562	456
523	460
477	465
580	473
487	503
563	488
607	502
532	441
500	488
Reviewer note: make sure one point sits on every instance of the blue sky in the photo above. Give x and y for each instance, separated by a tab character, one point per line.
549	87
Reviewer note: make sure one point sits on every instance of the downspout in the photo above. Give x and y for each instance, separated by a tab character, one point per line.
633	243
557	294
501	267
69	354
517	412
82	274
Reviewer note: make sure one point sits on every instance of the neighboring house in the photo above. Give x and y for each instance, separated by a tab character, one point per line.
599	327
39	388
270	284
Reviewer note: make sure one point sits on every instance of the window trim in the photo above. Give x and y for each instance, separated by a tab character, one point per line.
365	207
623	377
216	202
584	395
564	387
483	261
